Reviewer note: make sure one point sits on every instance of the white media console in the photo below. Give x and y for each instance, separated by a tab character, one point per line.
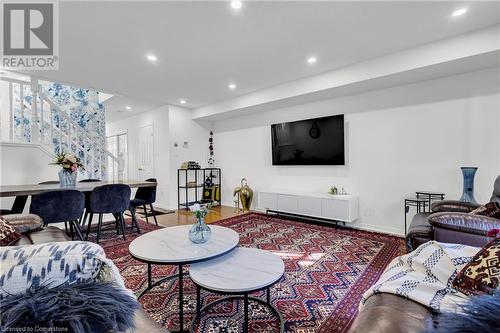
337	208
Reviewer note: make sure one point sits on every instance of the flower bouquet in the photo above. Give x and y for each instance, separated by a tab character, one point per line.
200	232
70	164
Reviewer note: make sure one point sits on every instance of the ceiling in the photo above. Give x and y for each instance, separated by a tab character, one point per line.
203	46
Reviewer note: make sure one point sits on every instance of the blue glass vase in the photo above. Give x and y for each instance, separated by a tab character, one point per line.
67	178
468	192
200	232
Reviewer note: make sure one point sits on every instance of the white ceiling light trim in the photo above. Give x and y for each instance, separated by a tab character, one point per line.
311	60
151	57
459	12
236	4
183	101
128	108
232	86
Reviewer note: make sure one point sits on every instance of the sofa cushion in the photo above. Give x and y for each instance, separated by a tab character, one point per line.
48	264
491	209
47	235
482	274
8	234
24	222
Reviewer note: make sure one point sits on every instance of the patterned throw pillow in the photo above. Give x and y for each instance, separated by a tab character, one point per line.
52	265
491	209
8	233
482	274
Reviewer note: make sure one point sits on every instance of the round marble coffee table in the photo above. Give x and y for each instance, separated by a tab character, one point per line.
240	272
171	246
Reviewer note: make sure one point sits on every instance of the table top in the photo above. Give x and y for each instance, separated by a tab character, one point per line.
242	270
430	193
171	245
425	200
15	190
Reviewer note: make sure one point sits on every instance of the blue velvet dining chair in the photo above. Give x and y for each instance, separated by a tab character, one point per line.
144	196
108	199
60	206
87	200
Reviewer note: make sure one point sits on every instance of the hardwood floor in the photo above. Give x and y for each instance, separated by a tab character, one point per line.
186	217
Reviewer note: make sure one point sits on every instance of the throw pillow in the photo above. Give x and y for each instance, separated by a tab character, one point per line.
491	209
478	314
8	233
50	265
482	274
84	307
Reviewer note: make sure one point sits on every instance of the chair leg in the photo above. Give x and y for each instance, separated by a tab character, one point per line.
71	230
76	225
117	223
82	221
122	224
66	227
153	212
99	224
145	213
88	226
134	219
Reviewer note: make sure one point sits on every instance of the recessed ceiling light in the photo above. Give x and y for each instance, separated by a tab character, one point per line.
151	57
311	60
459	12
183	101
128	107
236	4
232	86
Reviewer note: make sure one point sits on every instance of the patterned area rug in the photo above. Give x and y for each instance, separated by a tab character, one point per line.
327	271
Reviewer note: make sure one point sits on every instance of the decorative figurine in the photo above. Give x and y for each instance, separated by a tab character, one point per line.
211	157
245	195
333	190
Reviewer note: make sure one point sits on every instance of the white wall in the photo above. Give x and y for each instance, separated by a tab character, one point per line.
398	140
171	125
24	163
196	134
159	118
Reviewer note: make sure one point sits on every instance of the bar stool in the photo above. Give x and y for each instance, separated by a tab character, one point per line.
60	206
144	196
108	199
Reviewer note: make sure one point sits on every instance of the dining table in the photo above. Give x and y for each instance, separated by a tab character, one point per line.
22	192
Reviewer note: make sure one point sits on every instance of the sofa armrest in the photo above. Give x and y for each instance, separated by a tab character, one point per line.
453	206
464	222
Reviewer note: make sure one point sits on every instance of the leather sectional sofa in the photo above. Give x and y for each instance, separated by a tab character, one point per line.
388	313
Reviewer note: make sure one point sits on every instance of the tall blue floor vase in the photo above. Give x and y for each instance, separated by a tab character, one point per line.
468	194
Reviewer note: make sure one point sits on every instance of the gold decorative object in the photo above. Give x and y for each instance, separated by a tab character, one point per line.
244	195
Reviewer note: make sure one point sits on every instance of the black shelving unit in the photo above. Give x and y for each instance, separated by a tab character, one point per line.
198	176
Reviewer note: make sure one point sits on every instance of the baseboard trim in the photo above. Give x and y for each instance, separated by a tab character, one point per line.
361	226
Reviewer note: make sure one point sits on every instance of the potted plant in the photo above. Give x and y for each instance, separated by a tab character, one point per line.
200	232
69	168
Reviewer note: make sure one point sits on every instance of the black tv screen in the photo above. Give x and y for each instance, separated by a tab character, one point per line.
318	141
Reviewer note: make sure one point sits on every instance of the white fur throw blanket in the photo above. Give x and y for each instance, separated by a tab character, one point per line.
425	275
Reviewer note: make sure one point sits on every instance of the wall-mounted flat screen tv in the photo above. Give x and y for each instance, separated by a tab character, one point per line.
318	141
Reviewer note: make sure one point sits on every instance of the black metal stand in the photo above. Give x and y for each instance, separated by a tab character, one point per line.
183	175
180	276
430	196
240	296
419	203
